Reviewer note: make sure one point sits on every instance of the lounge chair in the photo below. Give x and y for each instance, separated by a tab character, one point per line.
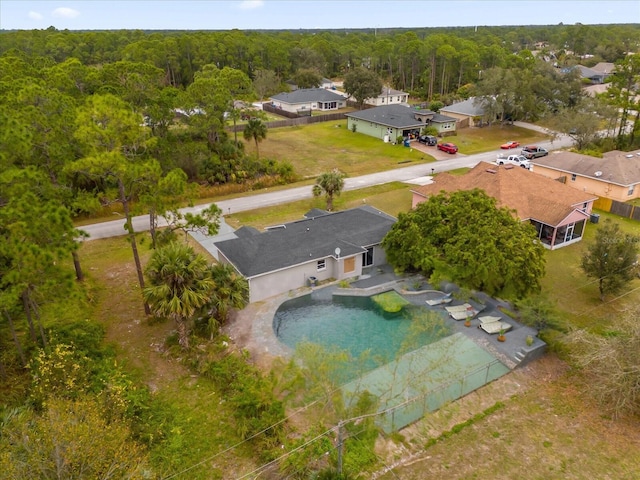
491	325
446	298
489	319
459	308
466	314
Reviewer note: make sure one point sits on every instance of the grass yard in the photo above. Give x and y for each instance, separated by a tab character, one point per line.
536	420
318	148
575	295
192	420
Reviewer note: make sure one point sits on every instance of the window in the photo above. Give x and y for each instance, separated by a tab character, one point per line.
631	189
573	177
322	264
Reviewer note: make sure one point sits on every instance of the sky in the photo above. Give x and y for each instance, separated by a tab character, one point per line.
307	14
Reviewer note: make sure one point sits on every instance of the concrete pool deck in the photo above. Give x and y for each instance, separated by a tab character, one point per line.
251	329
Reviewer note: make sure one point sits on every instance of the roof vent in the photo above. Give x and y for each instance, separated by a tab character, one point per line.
491	170
598	173
629	156
508	167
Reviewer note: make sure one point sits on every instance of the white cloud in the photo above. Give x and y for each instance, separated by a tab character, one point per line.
64	12
251	4
35	15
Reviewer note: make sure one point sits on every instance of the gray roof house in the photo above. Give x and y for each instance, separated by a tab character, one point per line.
321	246
391	121
468	113
595	75
308	99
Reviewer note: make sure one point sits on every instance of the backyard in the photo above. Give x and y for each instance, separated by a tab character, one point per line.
536	419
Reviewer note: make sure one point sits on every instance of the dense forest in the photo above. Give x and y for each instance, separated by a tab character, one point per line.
89	120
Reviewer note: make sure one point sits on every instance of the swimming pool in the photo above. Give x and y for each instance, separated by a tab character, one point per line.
412	362
357	326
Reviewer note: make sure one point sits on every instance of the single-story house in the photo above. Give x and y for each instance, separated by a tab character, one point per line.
616	175
559	213
321	246
308	99
468	113
388	96
392	121
594	76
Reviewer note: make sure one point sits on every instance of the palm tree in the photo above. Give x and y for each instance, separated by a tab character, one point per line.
231	291
179	285
331	184
256	130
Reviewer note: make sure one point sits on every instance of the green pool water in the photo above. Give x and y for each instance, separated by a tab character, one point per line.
356	325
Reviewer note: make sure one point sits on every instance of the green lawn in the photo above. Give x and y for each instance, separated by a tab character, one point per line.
318	148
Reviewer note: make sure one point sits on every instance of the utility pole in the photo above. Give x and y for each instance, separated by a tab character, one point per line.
340	443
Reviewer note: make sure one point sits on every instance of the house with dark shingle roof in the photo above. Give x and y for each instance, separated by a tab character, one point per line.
321	246
559	213
616	175
392	121
308	99
468	113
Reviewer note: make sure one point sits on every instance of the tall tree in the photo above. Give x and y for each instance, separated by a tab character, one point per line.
330	184
179	286
464	237
265	83
611	258
113	165
36	235
361	84
255	130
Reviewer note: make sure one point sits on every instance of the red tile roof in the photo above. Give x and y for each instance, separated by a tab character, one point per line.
532	196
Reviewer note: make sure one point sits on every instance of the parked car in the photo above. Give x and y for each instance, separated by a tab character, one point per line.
448	147
510	144
428	140
532	151
518	160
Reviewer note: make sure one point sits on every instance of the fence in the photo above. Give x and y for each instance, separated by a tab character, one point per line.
295	120
617	208
415	408
425	379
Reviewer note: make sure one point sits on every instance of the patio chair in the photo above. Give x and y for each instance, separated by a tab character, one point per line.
459	308
495	326
466	314
446	298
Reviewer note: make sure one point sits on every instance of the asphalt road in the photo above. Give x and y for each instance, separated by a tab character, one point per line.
116	227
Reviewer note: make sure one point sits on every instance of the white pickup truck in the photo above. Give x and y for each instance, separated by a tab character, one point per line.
518	160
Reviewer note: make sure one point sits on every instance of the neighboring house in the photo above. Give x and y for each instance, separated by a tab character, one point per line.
616	175
327	83
558	213
309	99
594	76
324	83
468	113
320	247
392	121
605	68
388	96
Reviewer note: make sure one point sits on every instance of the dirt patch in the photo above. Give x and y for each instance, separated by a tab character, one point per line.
138	340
